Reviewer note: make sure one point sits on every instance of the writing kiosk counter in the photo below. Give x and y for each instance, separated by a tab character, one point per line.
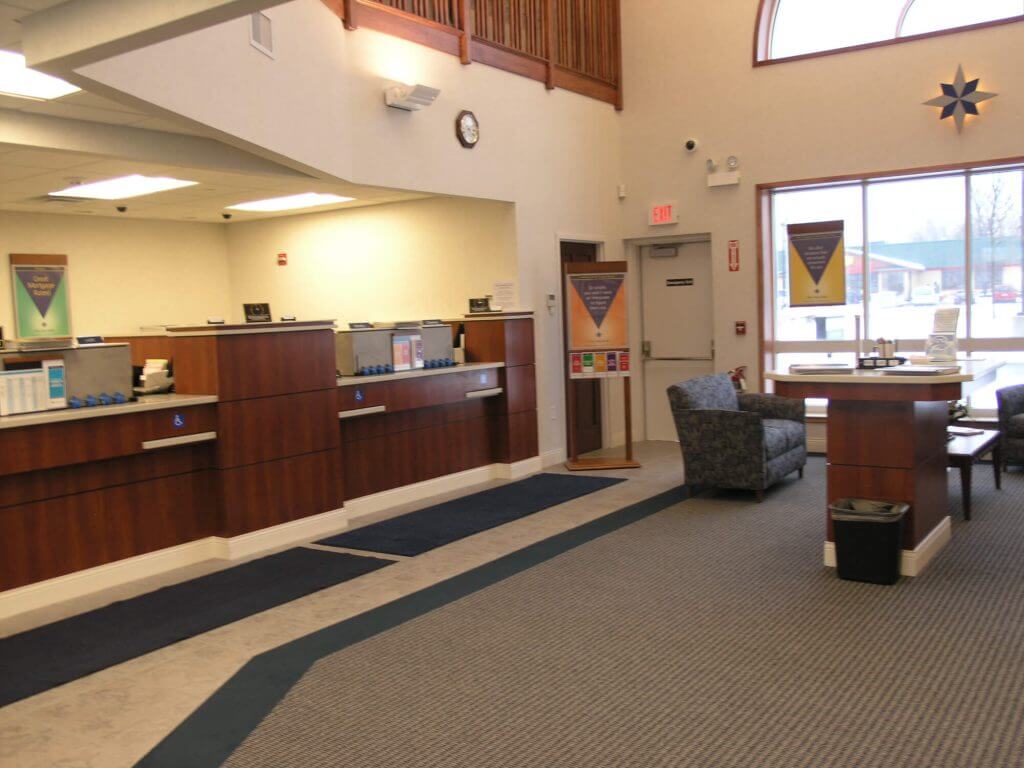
887	441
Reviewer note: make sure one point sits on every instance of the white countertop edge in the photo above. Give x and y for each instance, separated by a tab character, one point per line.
874	378
145	403
354	381
970	370
256	329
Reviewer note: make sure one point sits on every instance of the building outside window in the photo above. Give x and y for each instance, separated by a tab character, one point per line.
932	240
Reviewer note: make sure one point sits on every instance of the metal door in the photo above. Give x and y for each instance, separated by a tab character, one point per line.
678	312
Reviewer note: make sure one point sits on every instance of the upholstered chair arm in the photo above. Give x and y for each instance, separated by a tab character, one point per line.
722	448
773	406
1010	401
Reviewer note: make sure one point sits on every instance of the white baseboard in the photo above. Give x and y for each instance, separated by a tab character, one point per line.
265	539
85	582
554	456
81	583
912	561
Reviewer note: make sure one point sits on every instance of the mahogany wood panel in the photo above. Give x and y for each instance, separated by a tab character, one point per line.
885	434
255	365
419	392
93	475
869	392
74	442
500	341
558	42
144	347
392	21
195	365
402	458
266	428
495	55
516	437
923	487
375	425
520	385
258	496
57	536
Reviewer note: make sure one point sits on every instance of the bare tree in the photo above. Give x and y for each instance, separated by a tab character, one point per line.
992	220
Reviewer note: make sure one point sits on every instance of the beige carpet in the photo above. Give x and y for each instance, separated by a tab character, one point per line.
708	634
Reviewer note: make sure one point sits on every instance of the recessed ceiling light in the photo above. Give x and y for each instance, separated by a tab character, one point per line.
123	187
18	80
291	202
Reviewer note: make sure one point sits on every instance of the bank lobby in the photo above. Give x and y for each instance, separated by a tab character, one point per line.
511	383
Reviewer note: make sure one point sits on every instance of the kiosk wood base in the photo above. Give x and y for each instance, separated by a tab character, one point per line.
583	465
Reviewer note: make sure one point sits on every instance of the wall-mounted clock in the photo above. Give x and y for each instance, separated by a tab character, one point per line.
467	129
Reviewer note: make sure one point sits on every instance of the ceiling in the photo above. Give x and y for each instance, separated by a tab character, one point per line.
27	175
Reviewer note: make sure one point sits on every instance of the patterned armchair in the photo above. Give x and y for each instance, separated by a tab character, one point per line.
1011	424
732	440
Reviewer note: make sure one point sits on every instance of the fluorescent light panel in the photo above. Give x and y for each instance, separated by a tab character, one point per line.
18	80
123	187
290	202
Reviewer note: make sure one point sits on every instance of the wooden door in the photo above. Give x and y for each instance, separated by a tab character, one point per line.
587	392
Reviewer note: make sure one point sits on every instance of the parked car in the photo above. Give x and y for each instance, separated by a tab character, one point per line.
954	296
1005	293
924	294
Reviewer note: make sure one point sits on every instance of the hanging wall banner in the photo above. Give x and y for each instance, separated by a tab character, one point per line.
817	264
597	302
41	300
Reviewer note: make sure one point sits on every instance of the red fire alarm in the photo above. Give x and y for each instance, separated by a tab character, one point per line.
741	327
282	259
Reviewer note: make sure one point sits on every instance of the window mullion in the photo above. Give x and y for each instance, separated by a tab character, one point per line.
968	263
865	264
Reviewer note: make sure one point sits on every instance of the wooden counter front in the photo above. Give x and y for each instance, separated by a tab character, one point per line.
84	492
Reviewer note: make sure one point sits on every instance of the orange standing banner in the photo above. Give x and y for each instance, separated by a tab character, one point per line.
597	336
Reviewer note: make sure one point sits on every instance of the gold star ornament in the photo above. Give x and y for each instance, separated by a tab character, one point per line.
959	98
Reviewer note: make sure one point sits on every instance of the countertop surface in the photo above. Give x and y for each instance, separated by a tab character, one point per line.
970	370
144	403
353	381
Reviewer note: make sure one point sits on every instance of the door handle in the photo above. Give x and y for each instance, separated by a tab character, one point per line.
645	348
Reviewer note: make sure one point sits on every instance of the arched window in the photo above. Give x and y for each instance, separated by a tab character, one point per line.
794	28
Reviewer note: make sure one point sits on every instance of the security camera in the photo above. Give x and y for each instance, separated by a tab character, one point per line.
691	145
122	208
226	216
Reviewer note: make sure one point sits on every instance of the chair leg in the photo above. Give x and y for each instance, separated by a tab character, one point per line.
760	496
800	473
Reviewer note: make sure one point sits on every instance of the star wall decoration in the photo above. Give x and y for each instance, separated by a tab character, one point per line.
960	98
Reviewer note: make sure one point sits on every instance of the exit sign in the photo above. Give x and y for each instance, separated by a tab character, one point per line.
663	213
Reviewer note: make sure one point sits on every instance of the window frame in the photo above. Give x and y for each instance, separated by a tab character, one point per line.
768	9
769	346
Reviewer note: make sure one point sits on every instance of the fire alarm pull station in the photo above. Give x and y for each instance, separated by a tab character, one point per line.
741	327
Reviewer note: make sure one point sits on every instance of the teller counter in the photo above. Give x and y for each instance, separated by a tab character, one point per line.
84	487
261	440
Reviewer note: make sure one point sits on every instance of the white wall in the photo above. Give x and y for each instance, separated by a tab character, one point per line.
124	272
319	102
404	261
688	72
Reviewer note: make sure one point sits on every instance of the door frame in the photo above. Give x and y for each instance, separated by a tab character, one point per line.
633	252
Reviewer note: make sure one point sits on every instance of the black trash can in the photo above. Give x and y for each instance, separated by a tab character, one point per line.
868	538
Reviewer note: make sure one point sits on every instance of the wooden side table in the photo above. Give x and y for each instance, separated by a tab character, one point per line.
965	450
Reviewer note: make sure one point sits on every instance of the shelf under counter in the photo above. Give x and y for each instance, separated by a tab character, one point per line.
353	381
140	405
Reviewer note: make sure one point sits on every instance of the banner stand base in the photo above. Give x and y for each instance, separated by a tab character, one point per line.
586	465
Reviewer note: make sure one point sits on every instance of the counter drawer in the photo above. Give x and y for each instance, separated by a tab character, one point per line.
418	392
104	437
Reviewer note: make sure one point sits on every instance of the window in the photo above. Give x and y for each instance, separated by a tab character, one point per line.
933	240
791	28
